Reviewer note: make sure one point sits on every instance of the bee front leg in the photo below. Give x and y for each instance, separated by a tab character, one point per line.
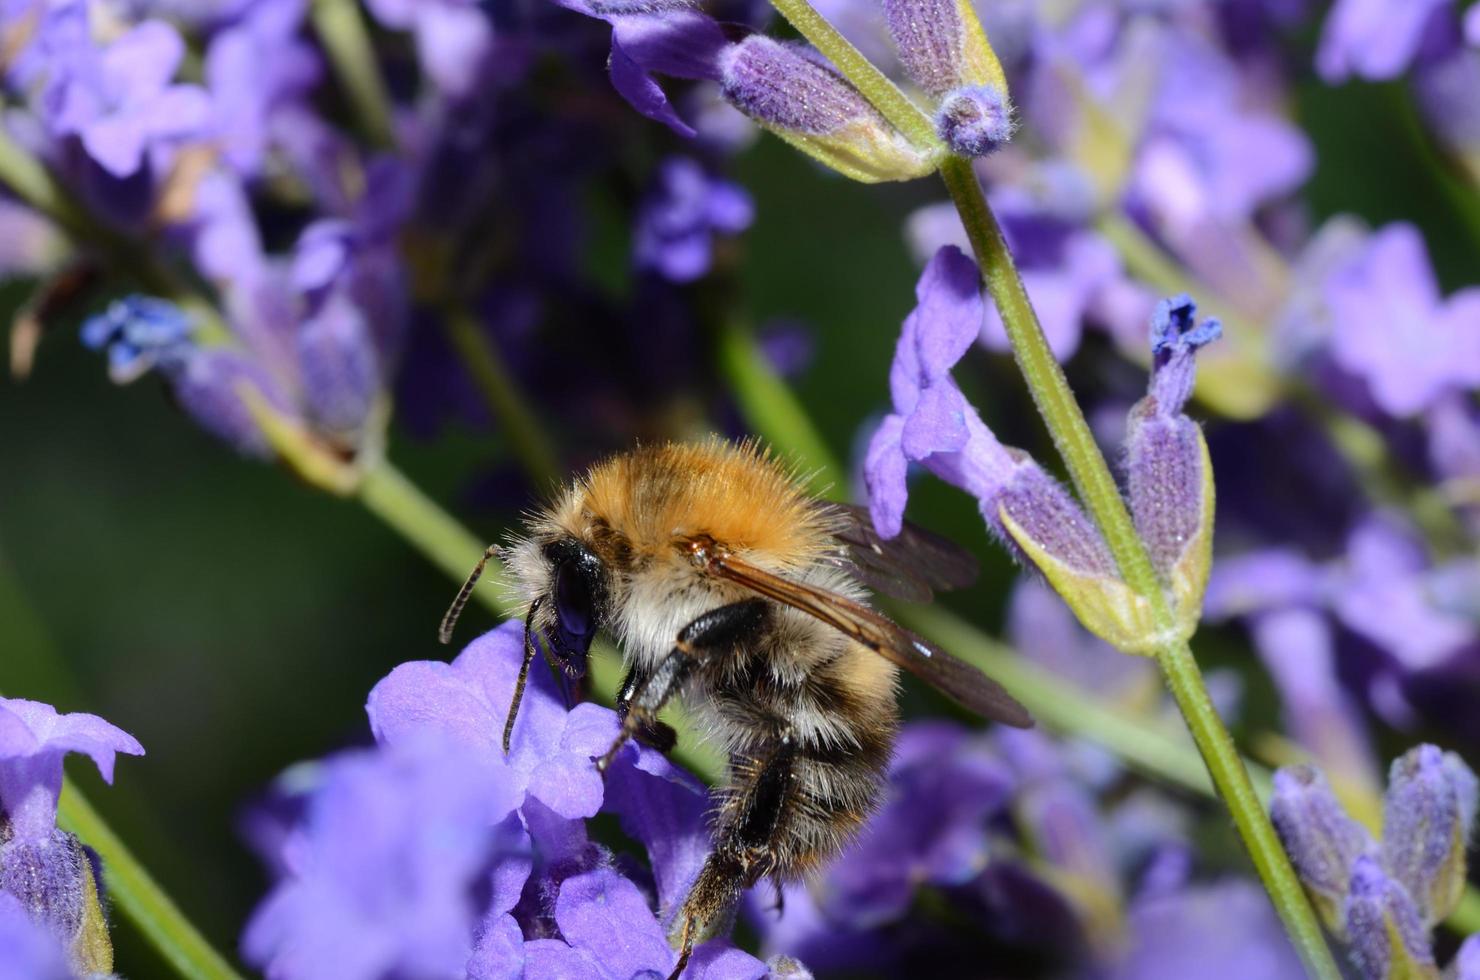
715	631
745	847
655	733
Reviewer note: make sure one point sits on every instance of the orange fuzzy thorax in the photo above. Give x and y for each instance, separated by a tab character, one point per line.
740	495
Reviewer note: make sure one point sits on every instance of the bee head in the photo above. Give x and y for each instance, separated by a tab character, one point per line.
577	595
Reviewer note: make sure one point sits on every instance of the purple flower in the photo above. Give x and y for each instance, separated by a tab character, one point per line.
1428	814
1387	938
119	100
668	37
944	785
974	121
1226	929
1322	841
33	740
1391	327
467	702
608	933
386	881
680	217
1375	39
138	332
28	951
454	38
256	69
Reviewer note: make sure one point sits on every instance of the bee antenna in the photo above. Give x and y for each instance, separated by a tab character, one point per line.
444	632
529	652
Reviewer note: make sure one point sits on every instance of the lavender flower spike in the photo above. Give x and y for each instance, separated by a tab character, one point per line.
944	51
1388	940
1322	841
1169	472
935	426
792	91
1427	815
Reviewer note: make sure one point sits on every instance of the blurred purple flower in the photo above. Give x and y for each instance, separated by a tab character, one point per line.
1226	930
119	100
680	216
257	68
1386	936
454	38
1391	327
944	785
27	950
394	845
34	738
1375	39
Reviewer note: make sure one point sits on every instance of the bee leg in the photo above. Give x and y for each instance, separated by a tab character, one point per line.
655	733
716	630
744	850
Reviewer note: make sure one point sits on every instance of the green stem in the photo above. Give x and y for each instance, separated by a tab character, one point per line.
504	397
132	889
768	404
893	104
1098	490
346	40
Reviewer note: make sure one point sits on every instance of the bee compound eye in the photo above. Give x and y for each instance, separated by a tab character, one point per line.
574	605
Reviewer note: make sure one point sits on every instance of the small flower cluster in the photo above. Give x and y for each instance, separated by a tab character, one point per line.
434	854
53	921
1169	483
1384	897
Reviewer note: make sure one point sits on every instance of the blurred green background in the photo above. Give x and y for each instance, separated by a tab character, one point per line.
234	620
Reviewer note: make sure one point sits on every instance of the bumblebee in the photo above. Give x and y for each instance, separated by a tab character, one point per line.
727	585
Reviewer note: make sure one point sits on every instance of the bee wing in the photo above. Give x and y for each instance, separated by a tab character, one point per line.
912	565
962	682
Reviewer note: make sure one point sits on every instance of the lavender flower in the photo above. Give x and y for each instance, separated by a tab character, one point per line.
1387	938
1427	819
1391	327
28	951
682	214
1322	841
392	852
119	100
667	37
33	740
1374	39
454	38
789	89
45	869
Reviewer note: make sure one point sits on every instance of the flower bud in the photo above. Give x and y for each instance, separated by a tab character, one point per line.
942	45
1322	841
790	89
1040	516
974	121
341	372
211	385
55	882
1388	939
1427	815
1169	472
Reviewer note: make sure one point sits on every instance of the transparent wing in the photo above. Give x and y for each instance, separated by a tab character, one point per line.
955	678
913	565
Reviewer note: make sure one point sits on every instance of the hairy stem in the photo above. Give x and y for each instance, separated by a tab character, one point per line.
1097	488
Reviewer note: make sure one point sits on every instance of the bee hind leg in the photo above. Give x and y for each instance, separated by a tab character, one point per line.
715	631
745	848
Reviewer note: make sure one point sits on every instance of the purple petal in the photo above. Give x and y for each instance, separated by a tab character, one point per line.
884	473
642	93
34	738
604	913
